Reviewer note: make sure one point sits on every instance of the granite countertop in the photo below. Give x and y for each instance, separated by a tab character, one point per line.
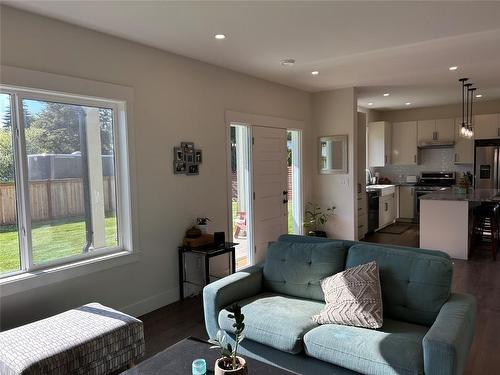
476	195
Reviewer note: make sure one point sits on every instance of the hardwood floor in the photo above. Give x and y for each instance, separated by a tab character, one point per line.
410	237
479	276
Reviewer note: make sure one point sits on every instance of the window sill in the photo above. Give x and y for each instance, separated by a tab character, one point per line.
28	280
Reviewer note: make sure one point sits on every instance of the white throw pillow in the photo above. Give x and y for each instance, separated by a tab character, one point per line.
353	297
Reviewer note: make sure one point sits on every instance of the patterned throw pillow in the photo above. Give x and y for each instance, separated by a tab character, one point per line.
353	297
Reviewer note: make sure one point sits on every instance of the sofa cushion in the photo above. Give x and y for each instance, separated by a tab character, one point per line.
353	298
296	269
396	348
276	320
414	285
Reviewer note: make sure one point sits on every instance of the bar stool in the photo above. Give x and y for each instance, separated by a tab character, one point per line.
486	226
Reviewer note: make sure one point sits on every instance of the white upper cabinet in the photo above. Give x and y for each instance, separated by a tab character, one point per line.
487	126
379	143
441	130
464	147
404	143
425	130
445	129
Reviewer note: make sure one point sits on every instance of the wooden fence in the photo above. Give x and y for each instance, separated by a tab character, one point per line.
52	199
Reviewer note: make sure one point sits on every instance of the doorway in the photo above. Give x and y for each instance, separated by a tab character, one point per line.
265	183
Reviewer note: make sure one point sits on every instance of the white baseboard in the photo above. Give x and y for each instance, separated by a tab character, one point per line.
151	303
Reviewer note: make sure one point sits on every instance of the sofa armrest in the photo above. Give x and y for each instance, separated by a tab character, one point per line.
446	345
223	292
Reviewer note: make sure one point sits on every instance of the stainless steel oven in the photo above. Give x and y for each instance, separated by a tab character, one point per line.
431	182
417	195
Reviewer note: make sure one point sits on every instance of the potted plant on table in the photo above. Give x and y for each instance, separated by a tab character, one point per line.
230	363
315	218
202	224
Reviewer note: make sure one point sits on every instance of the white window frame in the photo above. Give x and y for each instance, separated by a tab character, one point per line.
122	178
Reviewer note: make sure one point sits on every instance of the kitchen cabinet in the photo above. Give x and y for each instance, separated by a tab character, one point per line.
387	212
440	130
404	143
464	147
487	126
425	130
379	143
407	202
445	129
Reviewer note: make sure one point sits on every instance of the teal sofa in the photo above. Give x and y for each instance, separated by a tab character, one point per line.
427	329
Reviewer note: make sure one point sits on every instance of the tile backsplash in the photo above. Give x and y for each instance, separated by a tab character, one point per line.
431	160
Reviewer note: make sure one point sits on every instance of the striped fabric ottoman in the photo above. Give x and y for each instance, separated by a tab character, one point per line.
92	339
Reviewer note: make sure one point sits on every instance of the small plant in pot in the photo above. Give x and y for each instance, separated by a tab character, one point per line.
230	363
315	218
202	224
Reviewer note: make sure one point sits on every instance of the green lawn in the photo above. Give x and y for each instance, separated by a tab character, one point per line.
51	240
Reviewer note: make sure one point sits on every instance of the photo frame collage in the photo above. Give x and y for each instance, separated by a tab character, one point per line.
187	159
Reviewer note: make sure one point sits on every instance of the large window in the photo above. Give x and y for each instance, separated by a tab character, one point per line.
59	179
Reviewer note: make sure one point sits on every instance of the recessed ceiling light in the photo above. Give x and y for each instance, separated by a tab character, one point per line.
220	36
453	68
370	103
287	62
314	72
479	95
407	103
387	94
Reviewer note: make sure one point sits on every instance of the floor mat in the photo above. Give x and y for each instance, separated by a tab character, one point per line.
396	228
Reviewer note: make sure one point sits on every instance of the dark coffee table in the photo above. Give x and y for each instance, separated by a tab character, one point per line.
177	359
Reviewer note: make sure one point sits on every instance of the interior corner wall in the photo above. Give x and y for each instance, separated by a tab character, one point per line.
335	113
371	114
175	99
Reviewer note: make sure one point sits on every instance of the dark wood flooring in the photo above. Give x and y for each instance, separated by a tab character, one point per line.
479	276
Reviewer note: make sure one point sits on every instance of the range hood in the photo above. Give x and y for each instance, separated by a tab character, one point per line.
436	144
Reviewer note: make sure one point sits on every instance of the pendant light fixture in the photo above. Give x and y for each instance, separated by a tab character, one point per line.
467	101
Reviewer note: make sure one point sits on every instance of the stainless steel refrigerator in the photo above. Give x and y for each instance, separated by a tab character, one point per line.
487	164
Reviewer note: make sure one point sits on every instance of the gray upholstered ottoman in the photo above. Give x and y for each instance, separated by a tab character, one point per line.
92	339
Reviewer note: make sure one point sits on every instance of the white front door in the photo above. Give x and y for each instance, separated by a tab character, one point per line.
269	160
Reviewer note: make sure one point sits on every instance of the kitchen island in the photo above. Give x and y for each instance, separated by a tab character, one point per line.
446	219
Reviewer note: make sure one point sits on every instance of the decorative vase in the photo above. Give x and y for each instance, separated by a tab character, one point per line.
203	228
220	369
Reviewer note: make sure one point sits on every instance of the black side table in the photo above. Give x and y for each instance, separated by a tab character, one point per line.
207	252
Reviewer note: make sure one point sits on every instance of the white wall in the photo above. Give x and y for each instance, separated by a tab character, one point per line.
176	99
481	106
335	113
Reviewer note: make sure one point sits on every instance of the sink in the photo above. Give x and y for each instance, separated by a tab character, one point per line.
382	189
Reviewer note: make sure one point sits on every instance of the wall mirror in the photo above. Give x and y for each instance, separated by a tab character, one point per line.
333	154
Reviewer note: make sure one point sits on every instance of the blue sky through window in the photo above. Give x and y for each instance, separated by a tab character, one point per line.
33	106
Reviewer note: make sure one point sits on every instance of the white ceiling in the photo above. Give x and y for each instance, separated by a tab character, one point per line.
404	47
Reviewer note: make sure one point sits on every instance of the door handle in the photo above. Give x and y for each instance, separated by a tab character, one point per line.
285	192
414	158
285	201
386	206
